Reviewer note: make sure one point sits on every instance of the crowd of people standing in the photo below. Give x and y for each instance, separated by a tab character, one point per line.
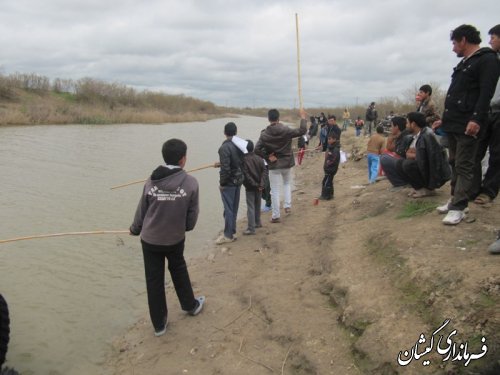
423	152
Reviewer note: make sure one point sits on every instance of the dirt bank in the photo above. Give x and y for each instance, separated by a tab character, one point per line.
337	288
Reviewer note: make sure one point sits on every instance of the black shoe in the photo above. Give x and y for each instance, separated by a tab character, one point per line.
163	329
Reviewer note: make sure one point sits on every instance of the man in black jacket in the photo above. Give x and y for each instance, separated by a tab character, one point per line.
486	189
425	167
371	119
230	181
466	111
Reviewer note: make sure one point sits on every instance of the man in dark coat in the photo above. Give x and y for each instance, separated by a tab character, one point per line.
426	166
230	180
371	119
275	147
467	104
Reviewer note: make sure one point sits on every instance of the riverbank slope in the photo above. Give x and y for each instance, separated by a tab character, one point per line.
337	288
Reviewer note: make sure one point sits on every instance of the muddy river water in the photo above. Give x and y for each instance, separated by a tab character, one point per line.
70	296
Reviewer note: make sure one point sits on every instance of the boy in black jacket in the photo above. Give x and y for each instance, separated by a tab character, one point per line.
253	170
332	160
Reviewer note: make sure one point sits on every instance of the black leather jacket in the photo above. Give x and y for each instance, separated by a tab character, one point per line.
231	164
432	160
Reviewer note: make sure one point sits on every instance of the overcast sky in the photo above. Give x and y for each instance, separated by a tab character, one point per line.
243	53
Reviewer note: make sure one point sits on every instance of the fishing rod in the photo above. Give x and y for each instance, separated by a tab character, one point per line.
213	165
301	104
64	234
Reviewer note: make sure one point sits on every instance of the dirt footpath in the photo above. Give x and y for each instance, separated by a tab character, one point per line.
338	288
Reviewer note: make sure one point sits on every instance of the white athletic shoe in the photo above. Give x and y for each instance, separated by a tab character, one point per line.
453	217
445	208
198	307
223	239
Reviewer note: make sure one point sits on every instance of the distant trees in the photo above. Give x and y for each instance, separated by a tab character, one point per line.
92	101
97	92
63	85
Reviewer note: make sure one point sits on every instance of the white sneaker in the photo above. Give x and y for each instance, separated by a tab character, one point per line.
198	307
444	208
453	217
223	239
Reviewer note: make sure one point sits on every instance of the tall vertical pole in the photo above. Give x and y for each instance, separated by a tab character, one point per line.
298	61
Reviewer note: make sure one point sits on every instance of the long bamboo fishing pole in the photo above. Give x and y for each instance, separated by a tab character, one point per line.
301	104
213	165
64	234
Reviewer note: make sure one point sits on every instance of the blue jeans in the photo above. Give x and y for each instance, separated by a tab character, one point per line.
373	161
231	201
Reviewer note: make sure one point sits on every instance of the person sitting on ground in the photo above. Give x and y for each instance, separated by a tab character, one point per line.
426	166
168	208
374	148
330	167
397	144
253	171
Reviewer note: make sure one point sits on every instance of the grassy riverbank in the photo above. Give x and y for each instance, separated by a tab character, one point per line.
32	108
30	99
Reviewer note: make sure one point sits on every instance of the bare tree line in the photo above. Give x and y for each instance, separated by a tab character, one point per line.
102	102
94	91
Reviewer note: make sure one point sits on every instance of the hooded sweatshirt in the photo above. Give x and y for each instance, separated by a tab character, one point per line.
168	207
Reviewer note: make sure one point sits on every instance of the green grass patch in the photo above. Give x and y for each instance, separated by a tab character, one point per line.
92	120
486	300
416	208
381	247
65	96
